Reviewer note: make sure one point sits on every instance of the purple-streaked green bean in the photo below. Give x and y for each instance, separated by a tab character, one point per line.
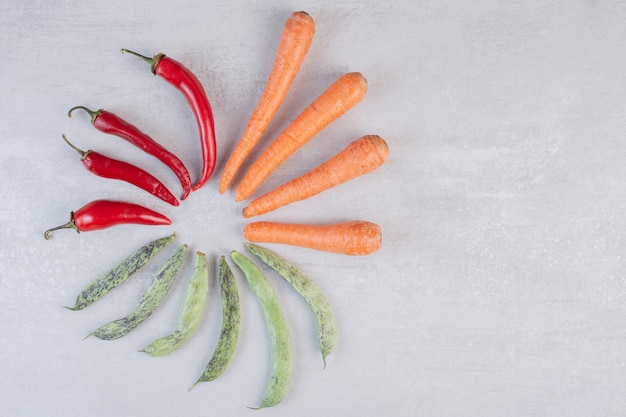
120	273
150	301
309	291
193	306
230	326
277	326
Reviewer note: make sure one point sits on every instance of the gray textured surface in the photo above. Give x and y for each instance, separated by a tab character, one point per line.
500	287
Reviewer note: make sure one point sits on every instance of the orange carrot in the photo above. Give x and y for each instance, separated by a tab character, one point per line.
358	158
341	96
350	238
294	45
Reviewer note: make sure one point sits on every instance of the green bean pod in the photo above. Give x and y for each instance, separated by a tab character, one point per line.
277	326
193	306
120	273
150	301
309	291
229	334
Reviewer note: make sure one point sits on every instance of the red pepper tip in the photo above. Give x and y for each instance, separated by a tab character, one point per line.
198	185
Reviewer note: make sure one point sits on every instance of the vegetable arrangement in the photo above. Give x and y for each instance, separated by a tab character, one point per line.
103	166
294	45
309	291
121	272
344	93
107	122
357	237
188	84
192	311
151	300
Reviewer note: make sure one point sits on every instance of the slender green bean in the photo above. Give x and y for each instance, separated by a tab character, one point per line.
309	291
193	306
230	326
278	331
120	273
150	301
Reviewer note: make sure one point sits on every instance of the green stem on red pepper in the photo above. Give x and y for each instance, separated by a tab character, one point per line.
105	167
188	84
102	214
110	123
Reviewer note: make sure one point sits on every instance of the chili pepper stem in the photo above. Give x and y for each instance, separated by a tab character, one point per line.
82	153
152	61
68	225
92	114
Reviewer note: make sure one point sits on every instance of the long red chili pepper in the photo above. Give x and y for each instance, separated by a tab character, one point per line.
108	122
188	84
106	167
101	214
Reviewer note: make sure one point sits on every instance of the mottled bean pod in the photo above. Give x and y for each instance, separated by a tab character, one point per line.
309	291
150	301
193	306
230	326
120	273
277	327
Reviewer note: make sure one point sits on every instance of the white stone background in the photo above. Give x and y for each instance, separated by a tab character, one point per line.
499	289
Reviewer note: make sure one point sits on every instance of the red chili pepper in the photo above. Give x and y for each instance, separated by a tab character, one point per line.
101	214
108	122
188	84
106	167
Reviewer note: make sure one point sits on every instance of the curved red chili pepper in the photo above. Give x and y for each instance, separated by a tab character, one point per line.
108	122
188	84
101	214
103	166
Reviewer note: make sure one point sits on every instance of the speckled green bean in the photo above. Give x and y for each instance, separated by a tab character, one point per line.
150	301
193	306
309	291
229	334
120	273
277	326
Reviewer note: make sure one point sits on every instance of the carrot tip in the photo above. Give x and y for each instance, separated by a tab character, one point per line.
246	213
